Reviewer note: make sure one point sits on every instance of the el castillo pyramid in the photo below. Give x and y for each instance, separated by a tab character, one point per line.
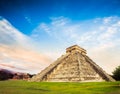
74	66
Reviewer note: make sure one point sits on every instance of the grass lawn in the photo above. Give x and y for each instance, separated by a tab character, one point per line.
24	87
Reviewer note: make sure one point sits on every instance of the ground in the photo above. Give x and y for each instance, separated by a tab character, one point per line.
24	87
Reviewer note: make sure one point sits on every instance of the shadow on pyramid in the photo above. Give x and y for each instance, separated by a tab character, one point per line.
74	66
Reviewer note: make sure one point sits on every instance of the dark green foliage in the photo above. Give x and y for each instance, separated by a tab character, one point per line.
5	75
116	73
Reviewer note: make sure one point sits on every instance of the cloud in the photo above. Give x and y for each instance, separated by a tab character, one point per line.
100	36
7	65
10	35
28	19
99	30
23	60
18	52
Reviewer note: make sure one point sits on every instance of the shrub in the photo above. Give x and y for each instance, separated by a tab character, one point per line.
116	73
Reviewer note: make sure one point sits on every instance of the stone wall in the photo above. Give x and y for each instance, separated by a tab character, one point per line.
74	68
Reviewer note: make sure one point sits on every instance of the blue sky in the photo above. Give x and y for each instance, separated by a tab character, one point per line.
54	25
27	14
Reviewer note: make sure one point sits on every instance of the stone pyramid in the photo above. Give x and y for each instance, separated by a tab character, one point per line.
74	66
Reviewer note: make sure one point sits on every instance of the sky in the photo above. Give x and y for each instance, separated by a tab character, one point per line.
54	25
27	14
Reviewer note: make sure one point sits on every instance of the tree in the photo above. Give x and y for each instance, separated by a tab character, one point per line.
116	74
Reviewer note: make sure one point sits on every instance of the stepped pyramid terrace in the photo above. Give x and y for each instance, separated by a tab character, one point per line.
74	66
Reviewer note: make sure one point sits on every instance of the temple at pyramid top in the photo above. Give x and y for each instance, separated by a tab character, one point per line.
76	48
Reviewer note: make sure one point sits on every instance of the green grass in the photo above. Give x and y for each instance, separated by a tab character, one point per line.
24	87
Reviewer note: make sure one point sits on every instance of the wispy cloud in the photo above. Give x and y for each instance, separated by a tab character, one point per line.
100	36
100	30
10	35
21	59
28	19
18	51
